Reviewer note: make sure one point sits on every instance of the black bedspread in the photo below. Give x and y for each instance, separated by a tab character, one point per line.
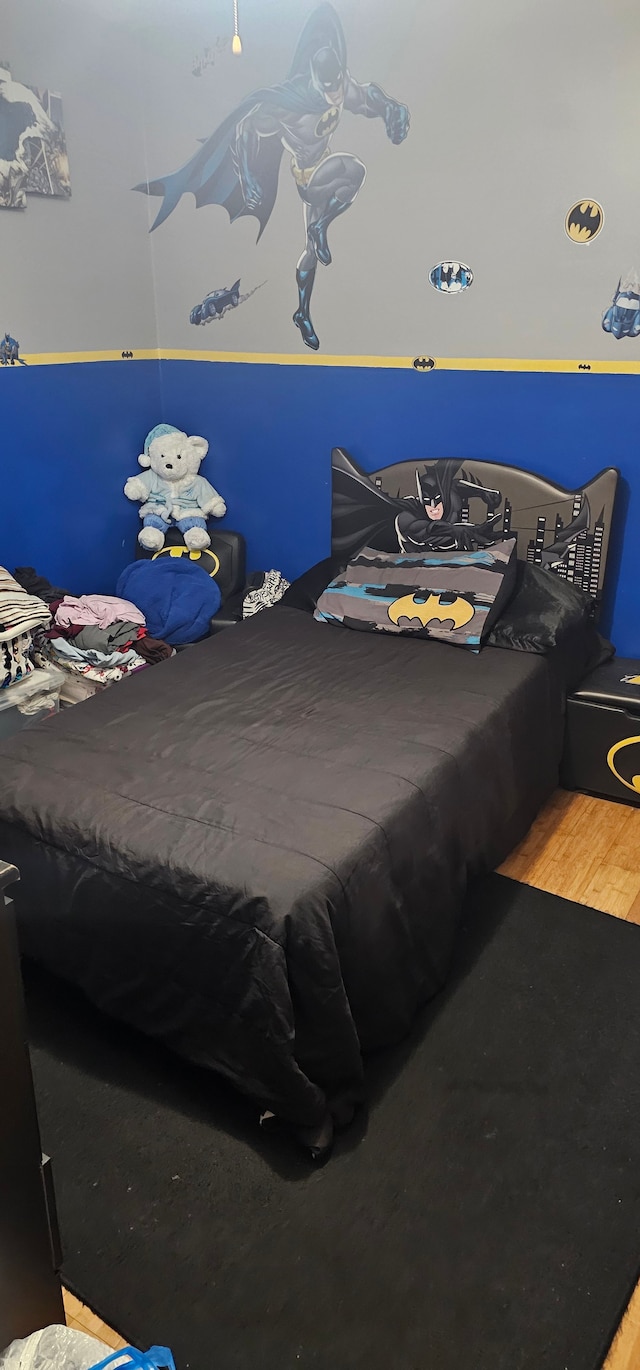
257	850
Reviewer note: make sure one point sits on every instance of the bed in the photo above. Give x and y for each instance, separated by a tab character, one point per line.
257	851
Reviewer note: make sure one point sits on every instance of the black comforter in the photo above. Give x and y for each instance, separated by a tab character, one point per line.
257	850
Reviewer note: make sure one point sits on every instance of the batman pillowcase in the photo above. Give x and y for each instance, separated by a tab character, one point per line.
453	596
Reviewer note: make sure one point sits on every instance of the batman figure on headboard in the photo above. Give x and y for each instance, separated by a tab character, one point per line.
364	515
430	520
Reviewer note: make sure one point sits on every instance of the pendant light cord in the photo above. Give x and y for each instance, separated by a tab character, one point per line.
236	46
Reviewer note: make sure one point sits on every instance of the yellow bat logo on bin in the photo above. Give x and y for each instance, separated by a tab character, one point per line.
634	783
445	608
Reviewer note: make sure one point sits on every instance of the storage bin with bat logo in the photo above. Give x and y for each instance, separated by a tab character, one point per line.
602	733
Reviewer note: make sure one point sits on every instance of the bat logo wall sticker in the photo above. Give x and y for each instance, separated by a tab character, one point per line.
408	610
584	221
451	277
423	363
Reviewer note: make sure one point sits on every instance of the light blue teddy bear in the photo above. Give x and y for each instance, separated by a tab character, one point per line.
172	491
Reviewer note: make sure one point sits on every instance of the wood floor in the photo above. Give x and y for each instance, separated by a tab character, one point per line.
584	849
84	1320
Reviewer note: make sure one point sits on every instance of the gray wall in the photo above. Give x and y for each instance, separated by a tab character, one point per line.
518	108
76	274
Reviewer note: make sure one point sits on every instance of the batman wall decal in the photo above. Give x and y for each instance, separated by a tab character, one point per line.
238	165
622	318
584	221
423	363
409	611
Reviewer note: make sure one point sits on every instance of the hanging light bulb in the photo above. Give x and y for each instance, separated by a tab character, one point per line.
236	45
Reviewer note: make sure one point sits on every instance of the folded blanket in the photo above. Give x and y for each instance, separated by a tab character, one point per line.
18	611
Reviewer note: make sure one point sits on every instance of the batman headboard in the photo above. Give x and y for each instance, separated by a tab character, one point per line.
565	530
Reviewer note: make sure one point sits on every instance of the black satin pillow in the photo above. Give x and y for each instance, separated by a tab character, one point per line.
542	610
545	614
305	591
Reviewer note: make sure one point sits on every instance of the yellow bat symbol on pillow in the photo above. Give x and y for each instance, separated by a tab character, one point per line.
457	611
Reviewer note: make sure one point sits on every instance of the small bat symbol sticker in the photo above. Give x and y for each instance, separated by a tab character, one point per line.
127	356
424	363
584	366
457	612
584	221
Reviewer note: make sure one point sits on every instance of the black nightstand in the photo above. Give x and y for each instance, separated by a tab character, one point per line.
602	734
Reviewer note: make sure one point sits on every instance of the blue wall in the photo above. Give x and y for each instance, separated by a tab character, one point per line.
271	429
71	435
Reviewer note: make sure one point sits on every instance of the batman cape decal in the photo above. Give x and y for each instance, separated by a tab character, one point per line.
212	175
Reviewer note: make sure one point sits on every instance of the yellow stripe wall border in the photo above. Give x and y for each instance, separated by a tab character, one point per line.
429	363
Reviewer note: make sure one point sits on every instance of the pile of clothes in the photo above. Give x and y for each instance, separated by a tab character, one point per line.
102	638
20	614
99	639
96	639
27	687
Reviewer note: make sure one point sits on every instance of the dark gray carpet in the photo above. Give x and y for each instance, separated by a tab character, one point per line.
485	1215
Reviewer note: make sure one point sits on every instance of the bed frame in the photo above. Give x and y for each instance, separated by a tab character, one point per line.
534	510
290	899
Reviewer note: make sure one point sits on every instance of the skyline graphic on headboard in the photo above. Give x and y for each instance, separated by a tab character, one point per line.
456	503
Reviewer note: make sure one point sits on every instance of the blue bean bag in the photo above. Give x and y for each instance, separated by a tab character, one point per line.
177	598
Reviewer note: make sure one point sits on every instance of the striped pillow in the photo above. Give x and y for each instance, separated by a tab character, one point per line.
453	596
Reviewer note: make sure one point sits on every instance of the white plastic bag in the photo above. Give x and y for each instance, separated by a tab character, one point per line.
55	1348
